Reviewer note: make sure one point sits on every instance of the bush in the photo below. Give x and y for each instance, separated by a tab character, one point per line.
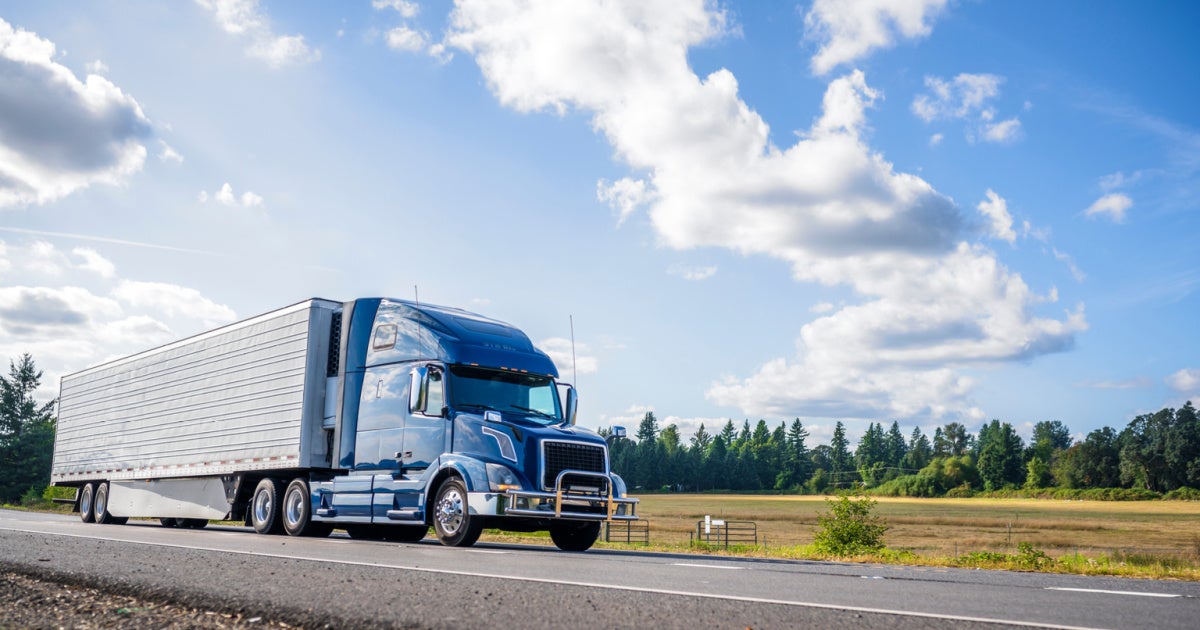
1183	494
850	527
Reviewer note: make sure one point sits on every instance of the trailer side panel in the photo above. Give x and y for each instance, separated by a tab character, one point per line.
248	396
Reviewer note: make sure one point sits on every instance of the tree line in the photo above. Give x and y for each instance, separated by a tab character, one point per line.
1157	453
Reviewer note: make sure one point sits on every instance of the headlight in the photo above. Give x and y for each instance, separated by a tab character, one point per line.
502	478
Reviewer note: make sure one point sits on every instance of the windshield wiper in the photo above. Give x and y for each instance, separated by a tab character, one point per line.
532	410
477	406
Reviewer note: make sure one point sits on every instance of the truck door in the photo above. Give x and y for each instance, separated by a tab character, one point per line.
425	426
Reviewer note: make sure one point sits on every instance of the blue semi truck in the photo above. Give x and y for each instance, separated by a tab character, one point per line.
378	416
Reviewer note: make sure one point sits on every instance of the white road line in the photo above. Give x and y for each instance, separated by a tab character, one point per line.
708	566
1104	592
613	587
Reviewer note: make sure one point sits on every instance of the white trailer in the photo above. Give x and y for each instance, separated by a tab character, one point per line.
172	430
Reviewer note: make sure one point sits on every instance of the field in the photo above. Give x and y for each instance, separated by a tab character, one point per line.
951	527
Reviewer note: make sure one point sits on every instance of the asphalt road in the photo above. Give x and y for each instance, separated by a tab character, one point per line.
343	583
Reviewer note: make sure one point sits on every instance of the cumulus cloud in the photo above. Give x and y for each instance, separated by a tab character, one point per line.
407	38
564	357
966	97
244	18
1185	381
836	211
225	196
59	134
995	208
848	31
1112	205
71	310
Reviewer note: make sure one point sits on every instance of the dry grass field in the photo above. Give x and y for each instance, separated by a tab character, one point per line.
951	527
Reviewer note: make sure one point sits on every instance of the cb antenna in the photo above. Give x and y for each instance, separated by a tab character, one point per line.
416	295
574	374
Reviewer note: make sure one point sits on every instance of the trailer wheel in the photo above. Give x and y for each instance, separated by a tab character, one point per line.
574	535
86	512
169	522
297	512
100	507
451	517
192	523
264	507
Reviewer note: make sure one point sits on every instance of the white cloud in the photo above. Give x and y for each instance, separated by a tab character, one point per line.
226	196
95	67
625	196
1003	132
94	262
848	31
1113	181
1185	381
173	300
1113	205
966	98
821	308
245	18
561	353
79	314
1066	259
59	134
829	206
935	139
406	8
995	208
169	154
407	39
693	273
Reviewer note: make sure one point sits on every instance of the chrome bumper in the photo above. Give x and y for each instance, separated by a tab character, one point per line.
558	504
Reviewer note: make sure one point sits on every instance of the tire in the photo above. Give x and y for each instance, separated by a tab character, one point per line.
574	535
192	523
87	507
100	506
363	532
451	517
265	514
169	522
297	512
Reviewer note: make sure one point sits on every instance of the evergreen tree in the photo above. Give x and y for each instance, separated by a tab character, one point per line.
894	446
920	452
840	460
26	431
1001	452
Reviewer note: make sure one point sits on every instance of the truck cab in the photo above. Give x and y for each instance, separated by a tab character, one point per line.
450	419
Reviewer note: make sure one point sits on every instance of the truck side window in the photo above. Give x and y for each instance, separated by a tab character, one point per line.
385	337
435	397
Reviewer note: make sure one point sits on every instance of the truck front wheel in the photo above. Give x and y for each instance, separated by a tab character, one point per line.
451	517
574	535
264	507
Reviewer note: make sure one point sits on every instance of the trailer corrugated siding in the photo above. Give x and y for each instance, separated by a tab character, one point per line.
247	396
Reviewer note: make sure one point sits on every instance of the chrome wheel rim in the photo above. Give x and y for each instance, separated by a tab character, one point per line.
293	508
85	501
262	507
450	511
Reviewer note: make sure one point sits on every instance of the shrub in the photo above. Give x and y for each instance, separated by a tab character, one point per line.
1183	494
850	527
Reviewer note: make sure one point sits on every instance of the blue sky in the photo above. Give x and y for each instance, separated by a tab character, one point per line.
924	211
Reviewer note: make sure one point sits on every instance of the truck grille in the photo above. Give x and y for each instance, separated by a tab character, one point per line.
560	456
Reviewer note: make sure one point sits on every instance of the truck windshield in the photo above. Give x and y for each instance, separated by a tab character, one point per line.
531	395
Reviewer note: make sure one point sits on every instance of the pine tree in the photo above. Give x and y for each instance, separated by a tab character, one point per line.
26	431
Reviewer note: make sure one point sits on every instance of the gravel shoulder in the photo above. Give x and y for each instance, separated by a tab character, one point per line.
28	601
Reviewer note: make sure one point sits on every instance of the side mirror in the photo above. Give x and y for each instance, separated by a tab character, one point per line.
569	399
616	433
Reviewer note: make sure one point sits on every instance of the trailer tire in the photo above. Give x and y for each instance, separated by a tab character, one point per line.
297	512
87	512
192	523
100	507
169	522
452	518
265	514
574	535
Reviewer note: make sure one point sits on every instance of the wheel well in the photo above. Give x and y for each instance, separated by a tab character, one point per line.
434	485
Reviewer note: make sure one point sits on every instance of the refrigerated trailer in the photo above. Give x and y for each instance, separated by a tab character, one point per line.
378	416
